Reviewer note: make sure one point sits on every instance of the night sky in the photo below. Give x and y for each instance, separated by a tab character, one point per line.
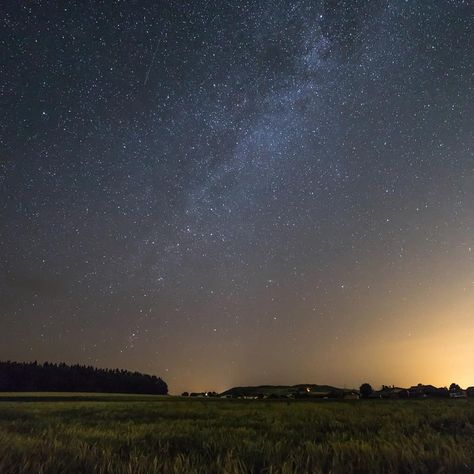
226	193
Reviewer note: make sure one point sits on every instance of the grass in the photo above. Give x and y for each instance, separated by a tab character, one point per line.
81	433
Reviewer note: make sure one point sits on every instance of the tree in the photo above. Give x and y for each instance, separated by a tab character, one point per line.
454	388
365	390
185	394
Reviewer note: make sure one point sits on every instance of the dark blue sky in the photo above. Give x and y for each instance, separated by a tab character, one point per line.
239	192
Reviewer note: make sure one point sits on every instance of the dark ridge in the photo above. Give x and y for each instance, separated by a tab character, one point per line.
285	390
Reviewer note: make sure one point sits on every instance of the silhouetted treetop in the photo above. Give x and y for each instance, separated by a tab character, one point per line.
365	390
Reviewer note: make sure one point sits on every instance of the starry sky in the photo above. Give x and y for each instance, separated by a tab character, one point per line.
228	193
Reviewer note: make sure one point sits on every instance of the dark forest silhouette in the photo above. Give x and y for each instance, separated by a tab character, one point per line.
48	377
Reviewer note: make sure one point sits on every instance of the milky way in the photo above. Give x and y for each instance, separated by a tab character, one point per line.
239	192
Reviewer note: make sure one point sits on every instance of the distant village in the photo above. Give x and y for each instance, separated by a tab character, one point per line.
324	392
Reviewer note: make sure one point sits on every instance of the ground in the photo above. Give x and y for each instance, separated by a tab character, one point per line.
81	433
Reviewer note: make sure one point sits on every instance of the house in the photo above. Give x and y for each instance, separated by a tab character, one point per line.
392	392
351	395
458	394
423	391
388	392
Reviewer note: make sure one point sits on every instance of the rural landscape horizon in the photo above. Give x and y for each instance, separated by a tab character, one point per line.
237	237
30	377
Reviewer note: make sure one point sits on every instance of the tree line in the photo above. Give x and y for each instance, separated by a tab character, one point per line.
48	377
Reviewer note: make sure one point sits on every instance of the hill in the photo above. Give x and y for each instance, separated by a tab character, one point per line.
291	391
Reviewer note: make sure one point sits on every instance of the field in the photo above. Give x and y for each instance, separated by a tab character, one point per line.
80	433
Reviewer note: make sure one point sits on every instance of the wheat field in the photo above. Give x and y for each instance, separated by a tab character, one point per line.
81	433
